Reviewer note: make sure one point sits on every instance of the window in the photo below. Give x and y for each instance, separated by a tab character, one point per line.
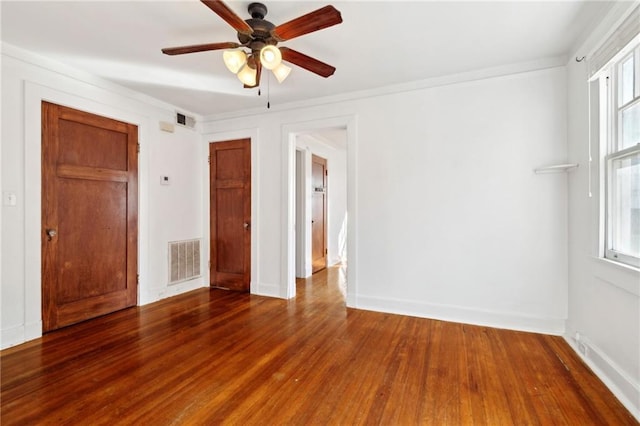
621	126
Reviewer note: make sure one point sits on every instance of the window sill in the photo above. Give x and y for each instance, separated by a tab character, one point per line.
617	274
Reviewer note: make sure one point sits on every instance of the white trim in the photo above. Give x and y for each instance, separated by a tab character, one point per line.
34	94
303	212
150	295
16	335
270	290
621	384
289	132
64	70
487	73
609	77
13	336
288	260
617	274
613	47
256	287
465	315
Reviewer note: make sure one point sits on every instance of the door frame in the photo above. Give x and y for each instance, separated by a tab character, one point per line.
34	95
302	231
255	286
288	253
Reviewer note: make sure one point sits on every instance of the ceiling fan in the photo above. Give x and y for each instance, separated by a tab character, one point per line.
260	38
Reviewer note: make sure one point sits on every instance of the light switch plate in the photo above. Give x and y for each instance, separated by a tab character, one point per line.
9	198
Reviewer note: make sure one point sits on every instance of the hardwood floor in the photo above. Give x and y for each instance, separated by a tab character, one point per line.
218	357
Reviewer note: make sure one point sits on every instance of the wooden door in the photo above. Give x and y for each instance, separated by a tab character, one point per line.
89	215
230	183
318	213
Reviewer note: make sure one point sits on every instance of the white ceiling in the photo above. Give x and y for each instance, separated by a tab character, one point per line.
378	44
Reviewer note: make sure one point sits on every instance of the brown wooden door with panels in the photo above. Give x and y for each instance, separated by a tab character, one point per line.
230	217
89	215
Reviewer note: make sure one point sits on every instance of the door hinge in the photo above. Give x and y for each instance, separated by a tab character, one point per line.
137	278
138	148
209	159
326	251
326	172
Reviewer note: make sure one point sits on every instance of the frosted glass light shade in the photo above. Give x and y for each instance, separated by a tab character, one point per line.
281	72
234	60
247	75
270	57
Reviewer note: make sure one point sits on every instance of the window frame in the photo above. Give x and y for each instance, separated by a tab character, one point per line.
613	140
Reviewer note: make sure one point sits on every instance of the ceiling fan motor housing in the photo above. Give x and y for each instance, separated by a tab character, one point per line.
261	35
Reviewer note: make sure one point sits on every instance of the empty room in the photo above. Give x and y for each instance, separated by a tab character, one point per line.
349	212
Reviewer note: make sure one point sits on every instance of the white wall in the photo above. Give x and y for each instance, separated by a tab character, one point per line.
166	212
604	298
451	222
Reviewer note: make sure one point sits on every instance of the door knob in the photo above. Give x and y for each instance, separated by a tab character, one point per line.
51	233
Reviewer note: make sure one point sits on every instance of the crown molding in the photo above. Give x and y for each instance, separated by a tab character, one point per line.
483	74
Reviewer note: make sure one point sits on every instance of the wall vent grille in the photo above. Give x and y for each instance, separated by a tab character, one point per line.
184	260
185	120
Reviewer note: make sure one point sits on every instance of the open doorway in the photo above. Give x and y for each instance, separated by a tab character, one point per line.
320	201
321	205
291	133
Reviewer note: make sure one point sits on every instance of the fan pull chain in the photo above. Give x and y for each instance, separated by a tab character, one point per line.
268	91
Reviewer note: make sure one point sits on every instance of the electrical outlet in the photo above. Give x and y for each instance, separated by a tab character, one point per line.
583	348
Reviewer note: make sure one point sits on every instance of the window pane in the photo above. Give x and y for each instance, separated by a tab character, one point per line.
626	81
630	126
625	208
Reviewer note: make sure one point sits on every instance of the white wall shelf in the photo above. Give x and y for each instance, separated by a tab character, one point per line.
556	168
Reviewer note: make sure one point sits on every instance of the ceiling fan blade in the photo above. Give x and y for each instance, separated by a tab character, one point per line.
307	62
223	11
317	20
199	48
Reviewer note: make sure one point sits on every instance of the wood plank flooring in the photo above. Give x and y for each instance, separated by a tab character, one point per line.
217	357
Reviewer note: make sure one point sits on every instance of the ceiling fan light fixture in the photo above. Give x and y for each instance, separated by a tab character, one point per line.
281	72
258	40
234	59
247	75
270	57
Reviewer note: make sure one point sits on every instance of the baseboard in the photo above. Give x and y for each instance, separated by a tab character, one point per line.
270	290
509	321
619	383
12	336
17	335
33	330
155	294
